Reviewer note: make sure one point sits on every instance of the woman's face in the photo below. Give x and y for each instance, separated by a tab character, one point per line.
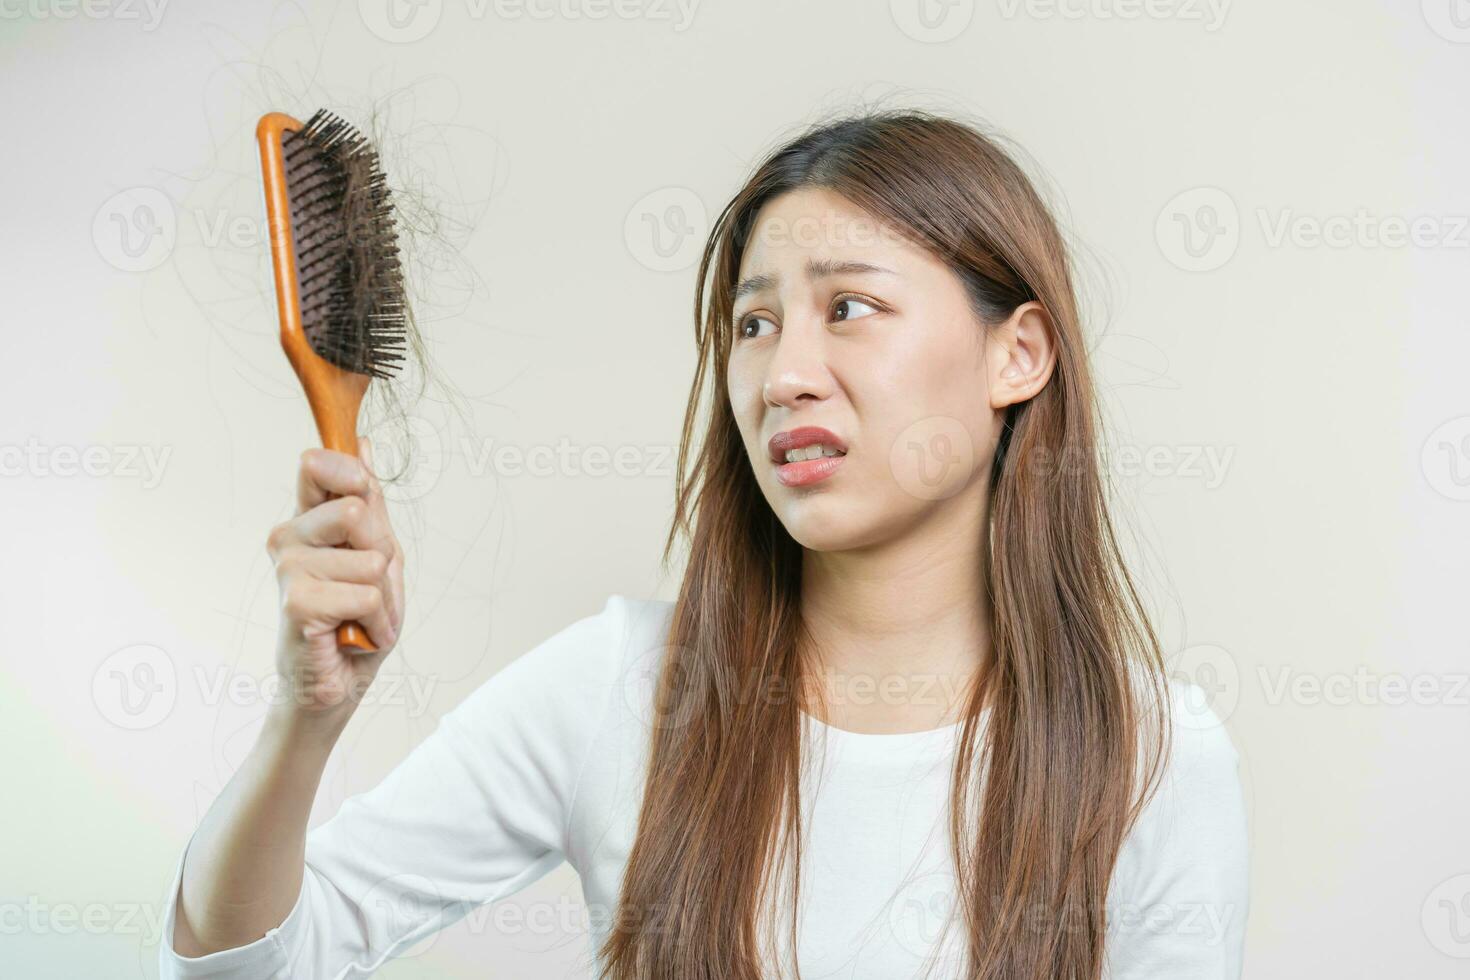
842	325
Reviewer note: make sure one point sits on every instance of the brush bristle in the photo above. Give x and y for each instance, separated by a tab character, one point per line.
349	278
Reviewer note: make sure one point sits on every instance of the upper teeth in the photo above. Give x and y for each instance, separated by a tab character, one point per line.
811	452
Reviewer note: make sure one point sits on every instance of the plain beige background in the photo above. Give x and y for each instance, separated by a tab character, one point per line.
1271	199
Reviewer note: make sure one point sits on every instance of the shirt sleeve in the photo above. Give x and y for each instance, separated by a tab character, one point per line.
475	812
1180	898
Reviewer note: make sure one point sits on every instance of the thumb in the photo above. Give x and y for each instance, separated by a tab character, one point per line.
365	453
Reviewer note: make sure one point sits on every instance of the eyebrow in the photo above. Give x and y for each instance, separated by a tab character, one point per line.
815	269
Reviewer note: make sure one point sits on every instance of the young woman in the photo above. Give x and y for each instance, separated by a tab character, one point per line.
907	716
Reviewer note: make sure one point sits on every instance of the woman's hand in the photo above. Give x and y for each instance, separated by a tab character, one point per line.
323	585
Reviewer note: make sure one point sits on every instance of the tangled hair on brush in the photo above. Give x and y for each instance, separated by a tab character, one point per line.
430	239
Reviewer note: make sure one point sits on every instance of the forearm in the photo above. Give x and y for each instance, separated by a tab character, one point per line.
243	871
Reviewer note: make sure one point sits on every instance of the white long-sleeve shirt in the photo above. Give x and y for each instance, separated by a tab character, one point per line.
545	763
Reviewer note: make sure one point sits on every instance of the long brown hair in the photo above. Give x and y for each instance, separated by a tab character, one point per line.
1044	792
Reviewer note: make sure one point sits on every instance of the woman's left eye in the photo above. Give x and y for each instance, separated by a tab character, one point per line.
851	301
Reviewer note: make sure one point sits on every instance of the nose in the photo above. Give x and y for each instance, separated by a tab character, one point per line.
798	371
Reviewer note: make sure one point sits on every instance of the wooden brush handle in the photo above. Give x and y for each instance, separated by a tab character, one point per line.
335	396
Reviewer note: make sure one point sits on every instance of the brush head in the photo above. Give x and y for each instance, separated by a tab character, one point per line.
350	283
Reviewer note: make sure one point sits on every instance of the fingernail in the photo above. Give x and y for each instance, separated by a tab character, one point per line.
366	450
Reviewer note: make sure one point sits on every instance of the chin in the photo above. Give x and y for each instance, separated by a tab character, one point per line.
821	524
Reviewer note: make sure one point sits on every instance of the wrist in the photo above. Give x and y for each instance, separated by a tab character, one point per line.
290	727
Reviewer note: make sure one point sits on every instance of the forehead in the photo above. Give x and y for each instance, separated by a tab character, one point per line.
814	222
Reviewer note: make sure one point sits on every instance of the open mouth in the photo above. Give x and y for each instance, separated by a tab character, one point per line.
804	472
812	452
806	455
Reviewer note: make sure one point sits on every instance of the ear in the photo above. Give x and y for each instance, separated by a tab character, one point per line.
1020	355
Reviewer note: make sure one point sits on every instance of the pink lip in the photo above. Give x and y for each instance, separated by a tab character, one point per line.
807	471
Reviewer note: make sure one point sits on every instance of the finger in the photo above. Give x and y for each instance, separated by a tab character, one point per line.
369	567
375	498
325	473
343	520
333	603
365	452
394	593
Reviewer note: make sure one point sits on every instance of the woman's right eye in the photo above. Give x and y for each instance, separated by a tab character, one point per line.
752	322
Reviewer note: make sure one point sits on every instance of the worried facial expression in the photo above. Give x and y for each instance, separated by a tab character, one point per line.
867	392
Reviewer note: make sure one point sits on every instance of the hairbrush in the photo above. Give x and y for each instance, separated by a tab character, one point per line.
339	285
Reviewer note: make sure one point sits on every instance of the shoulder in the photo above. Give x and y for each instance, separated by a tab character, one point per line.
1198	766
575	671
1192	829
1185	722
1202	759
1180	894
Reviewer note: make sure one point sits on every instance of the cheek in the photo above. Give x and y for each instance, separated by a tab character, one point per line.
742	388
935	369
927	413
